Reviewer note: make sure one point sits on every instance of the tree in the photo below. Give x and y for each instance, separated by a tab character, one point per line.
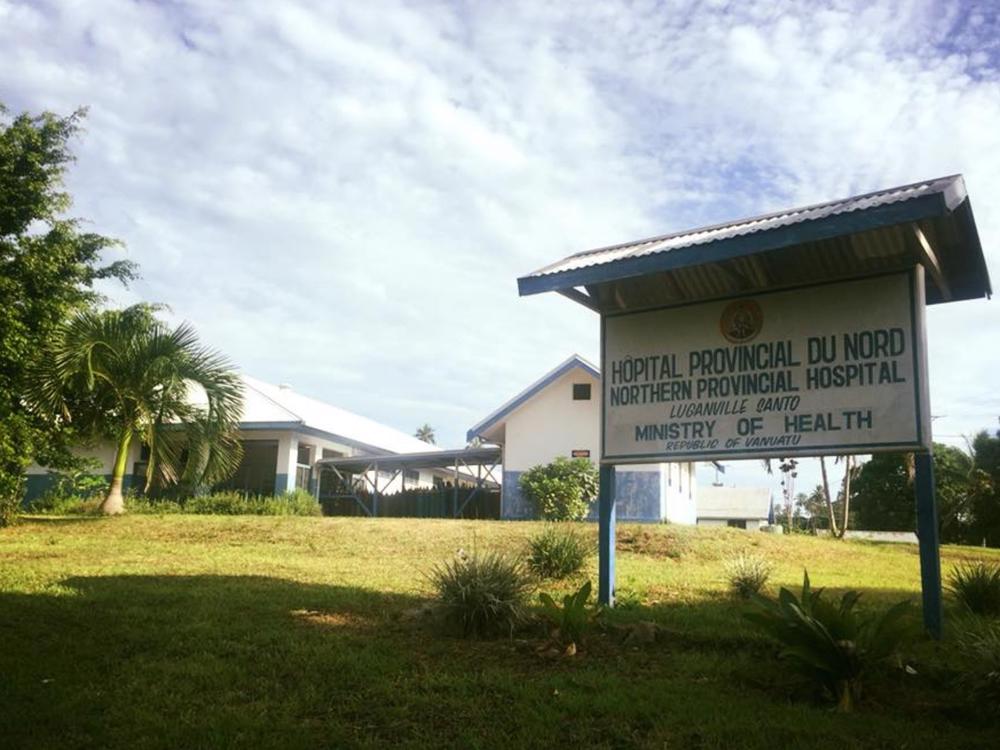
126	375
953	470
827	499
47	269
562	490
844	499
425	433
789	472
883	493
984	494
811	511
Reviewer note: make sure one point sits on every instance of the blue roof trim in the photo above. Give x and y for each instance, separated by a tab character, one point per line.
576	361
862	220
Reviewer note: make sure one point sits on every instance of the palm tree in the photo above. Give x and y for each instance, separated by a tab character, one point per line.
126	375
828	499
789	471
425	433
846	491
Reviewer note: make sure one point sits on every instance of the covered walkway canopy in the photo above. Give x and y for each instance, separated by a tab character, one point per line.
929	223
473	466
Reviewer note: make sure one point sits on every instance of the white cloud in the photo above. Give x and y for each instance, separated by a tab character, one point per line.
342	195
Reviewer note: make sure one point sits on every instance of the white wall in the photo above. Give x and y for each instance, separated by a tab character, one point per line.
104	452
552	424
288	448
678	493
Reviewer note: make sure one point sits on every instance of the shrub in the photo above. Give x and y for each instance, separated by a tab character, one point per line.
557	553
221	504
10	506
562	490
231	503
572	620
483	594
832	644
77	490
976	585
64	505
747	574
152	506
981	679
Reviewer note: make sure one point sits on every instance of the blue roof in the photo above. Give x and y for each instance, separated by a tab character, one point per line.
498	416
927	222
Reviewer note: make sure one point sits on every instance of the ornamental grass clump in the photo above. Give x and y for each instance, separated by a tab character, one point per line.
832	644
747	574
979	644
558	552
483	594
976	586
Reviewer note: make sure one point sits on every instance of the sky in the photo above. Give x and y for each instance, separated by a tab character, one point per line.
341	196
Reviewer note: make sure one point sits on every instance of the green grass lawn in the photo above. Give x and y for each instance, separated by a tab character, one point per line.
202	631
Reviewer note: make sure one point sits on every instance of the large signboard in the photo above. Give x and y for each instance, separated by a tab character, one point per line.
834	368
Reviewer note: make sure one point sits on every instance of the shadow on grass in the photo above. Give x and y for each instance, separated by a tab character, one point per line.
123	660
255	661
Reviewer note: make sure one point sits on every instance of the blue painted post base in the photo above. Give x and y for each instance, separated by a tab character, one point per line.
606	537
927	533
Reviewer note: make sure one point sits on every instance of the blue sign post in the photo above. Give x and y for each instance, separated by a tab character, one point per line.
606	534
927	533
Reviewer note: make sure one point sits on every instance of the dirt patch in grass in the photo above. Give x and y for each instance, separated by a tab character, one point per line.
331	619
654	542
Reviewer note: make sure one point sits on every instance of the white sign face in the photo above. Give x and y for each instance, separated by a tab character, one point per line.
835	368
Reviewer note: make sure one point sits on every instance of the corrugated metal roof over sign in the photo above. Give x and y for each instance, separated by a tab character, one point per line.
929	222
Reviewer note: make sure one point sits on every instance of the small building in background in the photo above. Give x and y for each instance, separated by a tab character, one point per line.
736	507
560	415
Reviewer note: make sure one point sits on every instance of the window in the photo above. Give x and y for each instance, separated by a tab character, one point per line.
305	453
303	474
581	391
734	523
411	478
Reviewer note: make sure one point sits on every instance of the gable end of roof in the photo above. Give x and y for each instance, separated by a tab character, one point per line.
570	364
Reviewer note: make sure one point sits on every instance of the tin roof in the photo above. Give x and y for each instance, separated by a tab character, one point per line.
723	503
441	459
929	222
268	406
